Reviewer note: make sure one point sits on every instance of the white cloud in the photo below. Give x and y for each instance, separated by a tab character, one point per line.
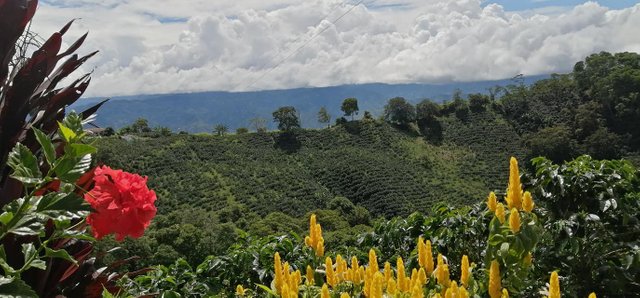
146	47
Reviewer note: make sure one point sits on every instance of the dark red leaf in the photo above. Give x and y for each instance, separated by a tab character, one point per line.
92	110
66	27
79	256
74	46
31	10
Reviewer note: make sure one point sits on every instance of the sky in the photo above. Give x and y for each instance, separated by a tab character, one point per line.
170	46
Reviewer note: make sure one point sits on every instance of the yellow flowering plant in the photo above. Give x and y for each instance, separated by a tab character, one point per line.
513	236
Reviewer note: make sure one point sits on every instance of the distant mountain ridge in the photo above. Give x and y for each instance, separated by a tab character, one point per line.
200	112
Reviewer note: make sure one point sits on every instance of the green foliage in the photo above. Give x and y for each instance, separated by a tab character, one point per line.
242	130
591	224
323	116
555	143
141	125
350	107
399	111
287	118
220	129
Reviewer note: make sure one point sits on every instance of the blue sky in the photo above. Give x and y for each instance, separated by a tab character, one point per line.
519	5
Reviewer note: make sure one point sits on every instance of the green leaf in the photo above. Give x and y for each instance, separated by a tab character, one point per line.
60	254
24	165
6	217
5	280
80	150
29	251
47	146
17	289
3	262
106	294
267	289
62	202
67	134
69	169
40	264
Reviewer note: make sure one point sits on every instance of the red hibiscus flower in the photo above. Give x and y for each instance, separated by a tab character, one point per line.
123	204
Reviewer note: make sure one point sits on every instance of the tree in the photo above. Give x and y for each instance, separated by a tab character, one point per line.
258	124
555	143
141	125
221	129
399	111
350	107
427	113
287	118
324	117
478	102
242	130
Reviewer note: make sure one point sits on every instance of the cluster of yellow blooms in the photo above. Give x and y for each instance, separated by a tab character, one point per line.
287	283
315	240
377	284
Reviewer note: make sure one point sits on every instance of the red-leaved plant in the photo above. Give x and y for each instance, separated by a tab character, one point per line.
48	188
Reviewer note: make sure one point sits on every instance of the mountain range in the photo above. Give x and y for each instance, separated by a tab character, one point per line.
201	111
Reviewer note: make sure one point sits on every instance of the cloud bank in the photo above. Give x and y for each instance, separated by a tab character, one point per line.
184	46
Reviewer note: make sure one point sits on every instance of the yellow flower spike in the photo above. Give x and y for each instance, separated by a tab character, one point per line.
422	277
514	190
505	293
592	295
285	291
443	275
495	283
527	202
417	292
310	276
361	275
320	248
514	221
414	278
373	261
554	285
388	274
454	286
286	275
354	263
429	258
339	272
448	293
240	291
294	282
392	287
377	286
492	201
344	295
463	293
325	292
464	271
329	273
422	253
528	260
436	295
277	265
500	213
403	282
